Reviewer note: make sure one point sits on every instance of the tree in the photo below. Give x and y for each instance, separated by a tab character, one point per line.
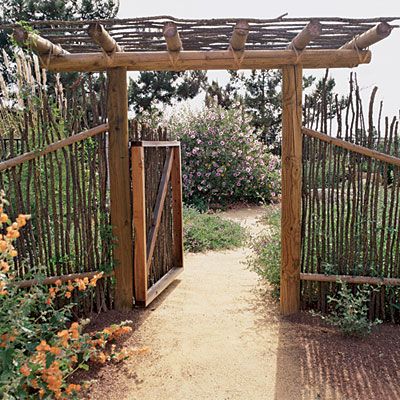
152	88
37	10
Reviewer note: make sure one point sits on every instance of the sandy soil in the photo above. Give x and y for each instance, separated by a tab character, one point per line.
216	334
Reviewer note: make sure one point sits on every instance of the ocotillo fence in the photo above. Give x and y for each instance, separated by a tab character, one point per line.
351	209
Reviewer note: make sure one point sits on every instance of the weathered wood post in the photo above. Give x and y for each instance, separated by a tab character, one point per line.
120	186
291	189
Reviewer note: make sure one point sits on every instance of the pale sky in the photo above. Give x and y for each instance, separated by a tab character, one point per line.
383	71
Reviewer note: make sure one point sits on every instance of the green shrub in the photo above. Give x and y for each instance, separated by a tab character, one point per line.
266	256
350	311
204	232
223	160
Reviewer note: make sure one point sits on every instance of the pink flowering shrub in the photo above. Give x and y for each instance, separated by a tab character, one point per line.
222	159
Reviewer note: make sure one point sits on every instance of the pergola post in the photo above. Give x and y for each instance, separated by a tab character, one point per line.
120	187
292	77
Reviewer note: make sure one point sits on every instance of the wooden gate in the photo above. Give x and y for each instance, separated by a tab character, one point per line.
146	158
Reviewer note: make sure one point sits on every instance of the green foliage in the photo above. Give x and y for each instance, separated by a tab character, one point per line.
204	232
350	311
152	88
40	346
266	255
223	160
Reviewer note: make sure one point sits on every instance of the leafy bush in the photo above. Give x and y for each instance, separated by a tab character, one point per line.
39	346
350	312
209	232
223	160
266	256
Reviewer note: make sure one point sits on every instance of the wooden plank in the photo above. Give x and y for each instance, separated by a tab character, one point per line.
120	186
365	151
208	60
362	280
291	189
159	207
139	221
177	208
13	162
147	143
161	285
63	278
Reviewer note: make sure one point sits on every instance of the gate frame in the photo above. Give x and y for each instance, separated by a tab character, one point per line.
145	240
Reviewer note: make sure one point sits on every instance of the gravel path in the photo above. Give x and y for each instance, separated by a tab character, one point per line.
214	334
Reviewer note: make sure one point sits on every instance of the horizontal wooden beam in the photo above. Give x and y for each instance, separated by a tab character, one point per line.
63	278
13	162
161	285
172	37
101	37
365	151
208	60
361	280
239	36
310	32
155	143
370	37
39	45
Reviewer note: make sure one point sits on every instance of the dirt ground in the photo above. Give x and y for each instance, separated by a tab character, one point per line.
216	334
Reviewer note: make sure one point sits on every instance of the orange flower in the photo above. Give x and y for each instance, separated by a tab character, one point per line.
4	266
64	336
81	284
58	282
72	388
74	330
55	350
21	220
43	346
3	246
68	295
48	301
25	370
34	384
3	218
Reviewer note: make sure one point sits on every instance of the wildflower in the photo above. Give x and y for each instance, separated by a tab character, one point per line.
3	218
25	370
68	295
72	388
13	253
58	282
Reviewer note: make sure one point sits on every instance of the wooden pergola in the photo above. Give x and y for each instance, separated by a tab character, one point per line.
170	44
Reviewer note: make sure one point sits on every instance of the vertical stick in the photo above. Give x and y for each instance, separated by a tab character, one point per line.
139	221
176	181
121	217
291	189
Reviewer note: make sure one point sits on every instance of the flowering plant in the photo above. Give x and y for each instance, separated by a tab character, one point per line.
223	159
39	346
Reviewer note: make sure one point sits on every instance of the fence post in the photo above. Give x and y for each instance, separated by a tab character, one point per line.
292	77
120	187
139	219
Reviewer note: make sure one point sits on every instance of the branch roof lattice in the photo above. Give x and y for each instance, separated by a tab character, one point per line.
146	34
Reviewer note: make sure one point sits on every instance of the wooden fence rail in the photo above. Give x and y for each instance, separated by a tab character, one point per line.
13	162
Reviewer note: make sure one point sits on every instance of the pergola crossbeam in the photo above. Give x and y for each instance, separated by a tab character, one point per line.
239	36
171	35
101	37
208	60
38	44
370	37
310	32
